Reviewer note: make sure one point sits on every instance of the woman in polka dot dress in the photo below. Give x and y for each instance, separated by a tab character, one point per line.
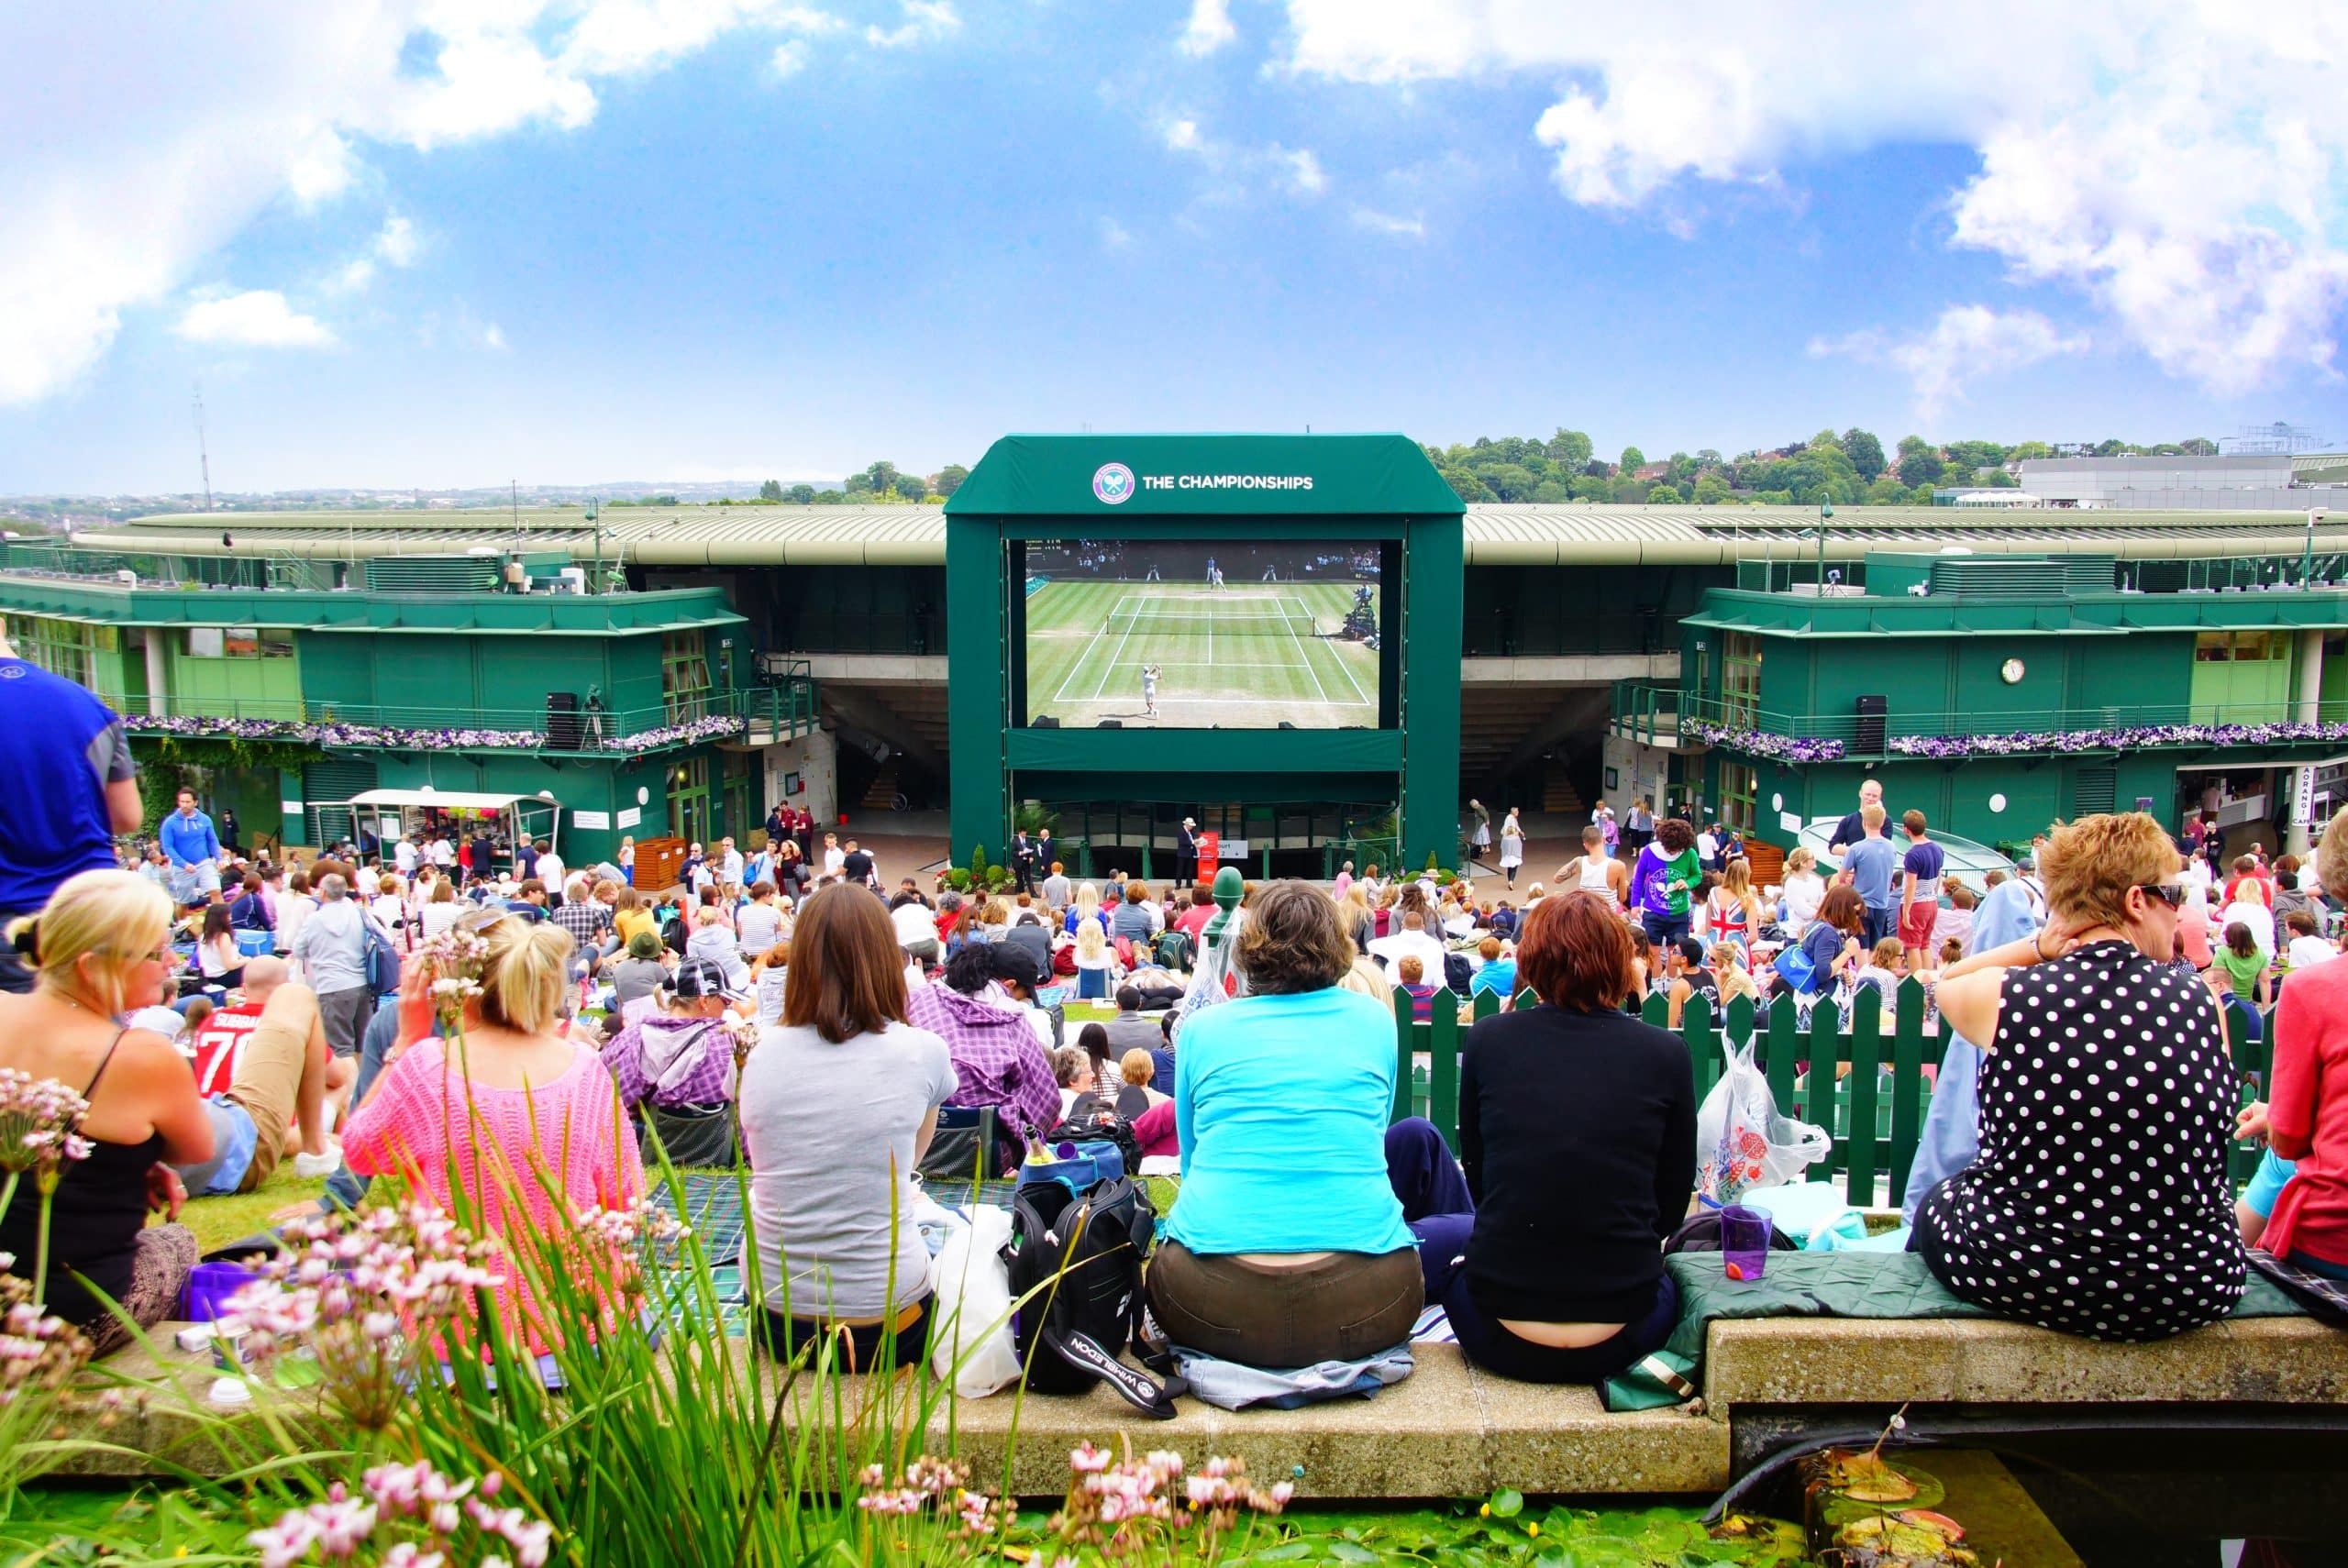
2100	1204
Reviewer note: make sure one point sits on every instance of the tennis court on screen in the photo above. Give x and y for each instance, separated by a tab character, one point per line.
1253	655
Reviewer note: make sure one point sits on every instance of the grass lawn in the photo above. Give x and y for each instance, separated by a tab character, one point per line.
218	1222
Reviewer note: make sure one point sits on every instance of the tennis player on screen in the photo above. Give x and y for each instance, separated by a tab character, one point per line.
1149	690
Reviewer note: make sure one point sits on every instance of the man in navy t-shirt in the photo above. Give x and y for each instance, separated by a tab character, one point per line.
1920	890
69	785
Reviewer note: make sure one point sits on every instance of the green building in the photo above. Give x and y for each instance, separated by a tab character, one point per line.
1536	652
2000	694
631	714
1160	540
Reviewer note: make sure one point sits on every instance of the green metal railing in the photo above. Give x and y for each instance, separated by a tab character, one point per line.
788	703
1874	1113
1643	710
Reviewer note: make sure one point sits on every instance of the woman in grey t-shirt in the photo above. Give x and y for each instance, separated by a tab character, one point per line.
837	1105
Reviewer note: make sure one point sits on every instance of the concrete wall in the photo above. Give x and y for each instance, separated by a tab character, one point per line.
1637	769
815	758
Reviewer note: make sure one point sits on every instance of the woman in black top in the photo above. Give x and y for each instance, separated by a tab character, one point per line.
99	952
1581	1160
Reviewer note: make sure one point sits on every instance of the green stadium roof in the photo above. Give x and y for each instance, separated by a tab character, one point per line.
689	536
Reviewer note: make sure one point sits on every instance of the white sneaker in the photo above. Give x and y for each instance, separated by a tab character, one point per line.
310	1167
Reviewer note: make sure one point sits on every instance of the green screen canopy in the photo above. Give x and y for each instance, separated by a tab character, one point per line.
1108	477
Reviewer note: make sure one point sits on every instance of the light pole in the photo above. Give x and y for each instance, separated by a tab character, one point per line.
595	520
1825	511
2307	563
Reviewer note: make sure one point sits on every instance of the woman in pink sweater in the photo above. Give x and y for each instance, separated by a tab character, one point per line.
525	1122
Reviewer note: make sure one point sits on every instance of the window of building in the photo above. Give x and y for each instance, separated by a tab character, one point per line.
1738	787
684	675
2239	648
70	648
1741	679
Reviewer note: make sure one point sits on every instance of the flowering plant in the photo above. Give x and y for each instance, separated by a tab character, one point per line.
365	1291
1759	743
407	1516
453	963
38	1122
337	734
1114	1508
2123	737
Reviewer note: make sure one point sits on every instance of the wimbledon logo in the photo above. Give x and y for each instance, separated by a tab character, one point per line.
1113	484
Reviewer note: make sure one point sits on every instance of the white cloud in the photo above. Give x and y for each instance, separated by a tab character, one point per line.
1238	172
257	318
1114	236
1400	228
1966	344
789	58
493	336
925	20
2166	159
114	197
396	242
1209	27
1303	171
321	168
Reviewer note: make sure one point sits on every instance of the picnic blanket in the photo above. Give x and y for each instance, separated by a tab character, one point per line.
1842	1285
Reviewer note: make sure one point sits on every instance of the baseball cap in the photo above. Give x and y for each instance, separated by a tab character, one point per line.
697	978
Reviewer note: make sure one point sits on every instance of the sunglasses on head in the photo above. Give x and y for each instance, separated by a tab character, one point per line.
2173	894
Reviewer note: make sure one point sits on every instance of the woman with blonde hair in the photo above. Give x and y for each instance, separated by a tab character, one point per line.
1096	967
1087	907
1734	908
1352	907
99	952
522	1118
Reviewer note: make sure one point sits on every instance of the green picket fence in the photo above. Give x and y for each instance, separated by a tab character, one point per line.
1874	1111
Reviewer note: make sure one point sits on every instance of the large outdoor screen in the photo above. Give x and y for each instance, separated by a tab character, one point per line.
1194	635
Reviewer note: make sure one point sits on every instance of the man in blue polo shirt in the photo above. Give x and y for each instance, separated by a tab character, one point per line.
193	849
69	784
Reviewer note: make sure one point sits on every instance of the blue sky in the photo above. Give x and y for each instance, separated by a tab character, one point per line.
624	239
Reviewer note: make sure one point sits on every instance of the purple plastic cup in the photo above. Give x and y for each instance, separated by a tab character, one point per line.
1745	1241
210	1286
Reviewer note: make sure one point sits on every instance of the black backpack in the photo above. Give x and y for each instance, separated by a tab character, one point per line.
1075	1266
1458	976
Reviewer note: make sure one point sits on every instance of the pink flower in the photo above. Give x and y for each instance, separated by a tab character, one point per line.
286	1542
1087	1460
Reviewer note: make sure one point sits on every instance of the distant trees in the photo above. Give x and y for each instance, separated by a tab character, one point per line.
772	490
1865	453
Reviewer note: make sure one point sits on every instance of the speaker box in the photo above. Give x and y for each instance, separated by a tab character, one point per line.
1867	734
562	721
1045	721
1109	725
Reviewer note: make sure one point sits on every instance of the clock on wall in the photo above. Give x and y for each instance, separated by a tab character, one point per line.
2011	671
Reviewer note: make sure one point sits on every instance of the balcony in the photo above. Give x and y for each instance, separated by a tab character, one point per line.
2275	729
1646	712
754	716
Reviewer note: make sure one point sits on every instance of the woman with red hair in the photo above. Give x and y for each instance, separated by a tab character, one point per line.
1572	1095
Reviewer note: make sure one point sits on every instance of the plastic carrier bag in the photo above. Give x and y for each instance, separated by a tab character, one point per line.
1742	1141
973	1306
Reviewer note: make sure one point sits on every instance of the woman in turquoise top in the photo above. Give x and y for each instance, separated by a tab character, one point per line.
1288	1245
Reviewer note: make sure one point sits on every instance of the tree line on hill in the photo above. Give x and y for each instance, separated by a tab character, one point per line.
1847	469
